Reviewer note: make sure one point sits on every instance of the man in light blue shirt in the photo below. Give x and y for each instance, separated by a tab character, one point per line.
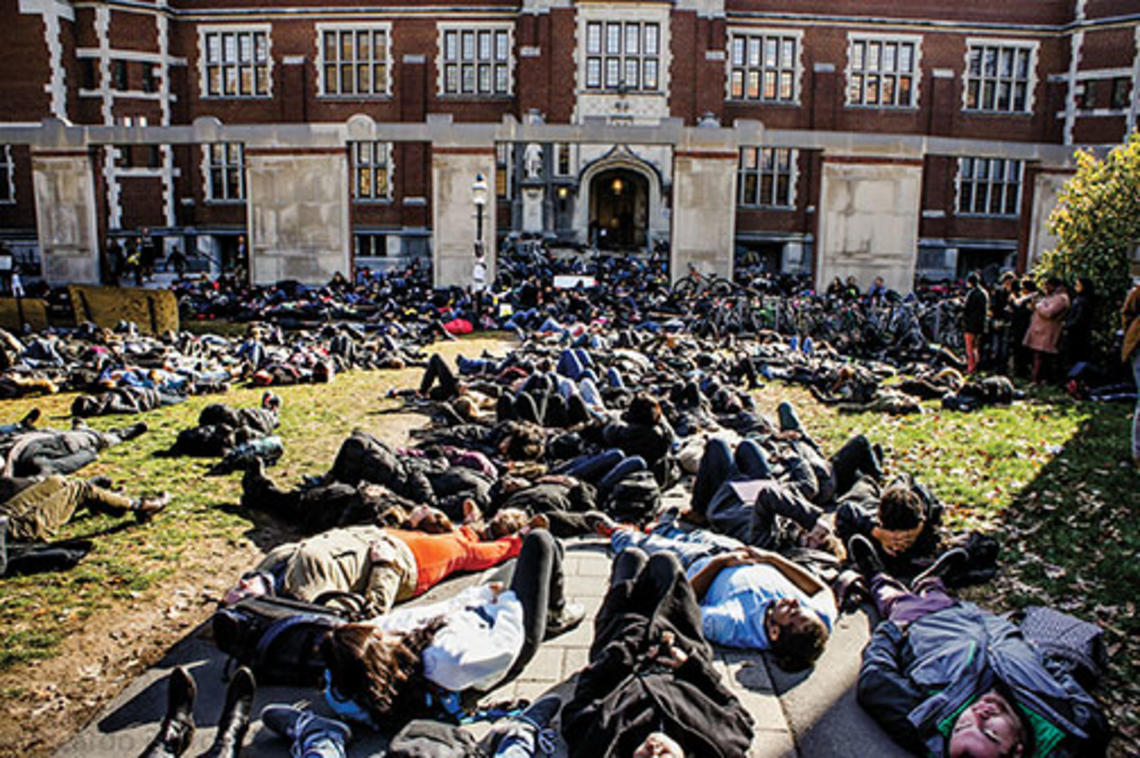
750	598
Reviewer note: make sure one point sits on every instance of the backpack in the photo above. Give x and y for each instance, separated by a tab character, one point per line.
279	639
635	499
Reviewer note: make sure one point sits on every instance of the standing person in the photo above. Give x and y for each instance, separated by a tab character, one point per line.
134	260
1044	334
478	287
114	261
17	284
1130	320
1024	299
974	320
1079	323
1001	313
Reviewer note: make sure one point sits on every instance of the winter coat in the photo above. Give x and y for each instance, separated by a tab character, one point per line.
974	312
1044	334
914	683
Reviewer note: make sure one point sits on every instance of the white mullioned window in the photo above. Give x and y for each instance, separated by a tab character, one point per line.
767	177
476	60
883	72
234	61
989	186
623	54
354	60
225	171
764	65
372	170
999	76
7	175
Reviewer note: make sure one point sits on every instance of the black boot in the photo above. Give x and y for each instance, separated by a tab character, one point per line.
235	718
177	730
3	545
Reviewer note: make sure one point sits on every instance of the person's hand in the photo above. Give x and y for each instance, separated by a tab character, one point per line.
667	653
819	534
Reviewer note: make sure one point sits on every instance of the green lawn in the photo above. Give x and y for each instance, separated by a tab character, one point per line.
1051	479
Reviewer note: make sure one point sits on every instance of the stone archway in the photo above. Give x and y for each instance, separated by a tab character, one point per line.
619	210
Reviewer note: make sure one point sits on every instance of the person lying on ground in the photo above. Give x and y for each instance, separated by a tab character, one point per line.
385	566
122	400
651	681
749	598
221	428
944	677
422	661
43	452
38	508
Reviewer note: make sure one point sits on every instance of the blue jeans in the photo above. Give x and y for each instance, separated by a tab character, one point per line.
319	745
590	394
613	376
719	465
689	547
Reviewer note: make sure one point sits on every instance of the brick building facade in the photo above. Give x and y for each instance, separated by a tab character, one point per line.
862	136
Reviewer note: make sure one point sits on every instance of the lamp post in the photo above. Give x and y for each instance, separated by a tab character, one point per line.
479	197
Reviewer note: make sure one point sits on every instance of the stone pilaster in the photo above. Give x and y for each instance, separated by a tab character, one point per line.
704	211
65	217
453	171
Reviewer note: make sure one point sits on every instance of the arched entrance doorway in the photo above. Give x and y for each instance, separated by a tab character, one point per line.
619	210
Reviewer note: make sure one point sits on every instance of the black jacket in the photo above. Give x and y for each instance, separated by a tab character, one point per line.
975	311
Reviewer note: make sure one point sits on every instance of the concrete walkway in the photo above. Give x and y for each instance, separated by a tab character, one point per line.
814	715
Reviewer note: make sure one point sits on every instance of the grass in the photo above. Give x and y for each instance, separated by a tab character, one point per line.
1043	476
1050	479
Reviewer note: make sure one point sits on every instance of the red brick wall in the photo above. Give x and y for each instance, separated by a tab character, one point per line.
140	199
22	214
24	61
1108	48
133	31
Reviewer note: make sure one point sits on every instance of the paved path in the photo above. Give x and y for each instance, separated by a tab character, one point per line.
795	715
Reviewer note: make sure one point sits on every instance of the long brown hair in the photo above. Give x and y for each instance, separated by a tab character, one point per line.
383	674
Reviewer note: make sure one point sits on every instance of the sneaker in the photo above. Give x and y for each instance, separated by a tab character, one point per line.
950	563
134	430
296	724
29	420
150	505
564	620
863	553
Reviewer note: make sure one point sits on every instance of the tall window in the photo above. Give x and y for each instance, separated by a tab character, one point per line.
989	186
562	159
767	177
763	67
372	170
7	175
999	77
476	60
354	60
623	55
119	80
149	84
235	63
225	171
882	72
503	152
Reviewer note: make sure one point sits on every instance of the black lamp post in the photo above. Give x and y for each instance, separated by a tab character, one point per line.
479	197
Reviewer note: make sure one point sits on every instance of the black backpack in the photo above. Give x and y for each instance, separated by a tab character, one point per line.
277	638
635	499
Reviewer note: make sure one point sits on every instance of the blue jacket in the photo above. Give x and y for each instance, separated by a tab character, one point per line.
916	681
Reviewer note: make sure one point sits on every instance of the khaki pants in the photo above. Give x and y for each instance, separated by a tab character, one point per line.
39	511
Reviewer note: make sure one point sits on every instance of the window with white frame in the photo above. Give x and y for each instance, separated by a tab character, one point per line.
562	160
989	186
764	66
354	61
503	154
999	76
767	177
235	62
225	171
372	170
623	55
476	60
7	175
882	72
371	245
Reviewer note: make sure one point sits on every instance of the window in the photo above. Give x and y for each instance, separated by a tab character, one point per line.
503	151
764	66
7	175
476	60
372	170
354	60
1121	92
235	63
562	159
989	187
882	73
767	177
119	75
87	76
371	246
999	77
623	55
225	171
148	81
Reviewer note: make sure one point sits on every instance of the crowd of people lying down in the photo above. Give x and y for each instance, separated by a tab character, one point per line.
612	400
773	537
